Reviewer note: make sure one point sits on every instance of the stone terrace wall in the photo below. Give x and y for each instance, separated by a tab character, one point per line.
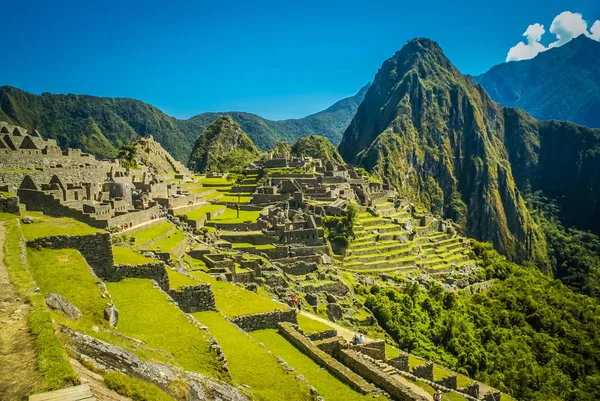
10	205
195	298
325	361
268	320
375	349
381	379
152	271
95	248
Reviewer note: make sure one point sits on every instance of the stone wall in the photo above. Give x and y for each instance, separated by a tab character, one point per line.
268	320
375	349
10	205
381	379
400	362
424	371
324	360
300	268
195	298
323	335
334	287
95	248
152	271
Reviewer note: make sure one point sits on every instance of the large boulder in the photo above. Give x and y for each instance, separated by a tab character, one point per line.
112	315
334	312
57	302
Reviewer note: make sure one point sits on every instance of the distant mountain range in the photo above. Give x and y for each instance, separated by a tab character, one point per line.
559	84
102	125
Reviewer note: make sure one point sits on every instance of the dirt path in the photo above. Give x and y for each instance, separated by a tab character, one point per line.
17	356
342	331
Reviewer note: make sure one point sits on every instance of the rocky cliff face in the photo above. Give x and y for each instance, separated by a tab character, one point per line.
439	138
222	146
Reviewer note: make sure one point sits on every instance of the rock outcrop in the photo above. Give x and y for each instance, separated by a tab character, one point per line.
58	302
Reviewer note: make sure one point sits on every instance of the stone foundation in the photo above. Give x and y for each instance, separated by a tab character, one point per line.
268	320
324	360
196	298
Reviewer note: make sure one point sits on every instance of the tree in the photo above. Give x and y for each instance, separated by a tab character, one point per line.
237	177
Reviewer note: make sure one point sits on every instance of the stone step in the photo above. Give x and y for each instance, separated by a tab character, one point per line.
380	256
383	248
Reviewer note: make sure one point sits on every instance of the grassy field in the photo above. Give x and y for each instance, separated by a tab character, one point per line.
146	314
250	364
149	234
200	213
310	326
233	301
391	352
178	280
170	242
230	216
215	182
125	256
326	384
45	226
135	389
450	396
232	197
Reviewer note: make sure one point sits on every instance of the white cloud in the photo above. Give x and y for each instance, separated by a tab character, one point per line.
525	51
565	27
595	31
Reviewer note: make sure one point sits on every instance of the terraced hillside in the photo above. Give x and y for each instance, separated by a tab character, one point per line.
391	239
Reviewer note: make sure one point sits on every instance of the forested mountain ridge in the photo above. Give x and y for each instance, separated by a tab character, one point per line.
438	137
562	83
102	125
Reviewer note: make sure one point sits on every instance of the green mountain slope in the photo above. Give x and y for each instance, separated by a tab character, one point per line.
221	147
437	136
317	147
102	125
560	84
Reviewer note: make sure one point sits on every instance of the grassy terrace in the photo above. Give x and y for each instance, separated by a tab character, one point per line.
230	216
215	182
45	226
125	256
141	237
146	314
311	326
170	242
201	212
326	384
247	245
251	364
178	280
232	300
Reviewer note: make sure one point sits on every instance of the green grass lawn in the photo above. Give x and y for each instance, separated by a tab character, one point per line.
215	182
232	197
413	361
391	352
250	364
178	280
149	234
310	326
200	213
146	314
233	301
230	216
125	256
194	264
170	242
46	226
66	272
326	384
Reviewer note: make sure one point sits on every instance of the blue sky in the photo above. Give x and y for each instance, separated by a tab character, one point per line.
279	59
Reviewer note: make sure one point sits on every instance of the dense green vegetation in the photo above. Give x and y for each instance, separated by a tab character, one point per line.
222	147
527	335
338	229
317	147
103	125
573	255
560	84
